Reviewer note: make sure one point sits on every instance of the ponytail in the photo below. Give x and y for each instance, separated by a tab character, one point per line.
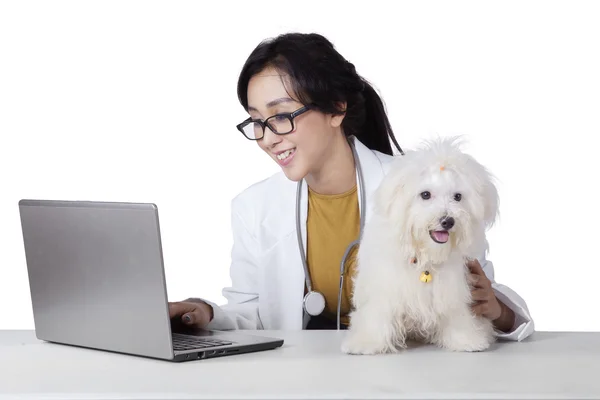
376	131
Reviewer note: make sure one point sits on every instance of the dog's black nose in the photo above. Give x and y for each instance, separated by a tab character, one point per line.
447	222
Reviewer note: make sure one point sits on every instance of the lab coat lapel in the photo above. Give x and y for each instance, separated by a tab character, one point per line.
303	231
303	213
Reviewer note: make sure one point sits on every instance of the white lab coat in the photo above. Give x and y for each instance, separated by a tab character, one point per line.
266	269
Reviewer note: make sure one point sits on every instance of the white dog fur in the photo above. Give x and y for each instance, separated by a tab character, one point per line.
391	305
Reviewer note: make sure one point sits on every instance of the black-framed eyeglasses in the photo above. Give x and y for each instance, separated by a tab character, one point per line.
280	124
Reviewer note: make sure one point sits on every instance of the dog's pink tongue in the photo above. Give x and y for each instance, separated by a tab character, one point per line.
441	236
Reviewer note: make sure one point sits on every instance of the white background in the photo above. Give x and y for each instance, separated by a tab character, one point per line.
136	101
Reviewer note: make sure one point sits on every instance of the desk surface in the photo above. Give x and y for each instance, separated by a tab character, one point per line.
548	365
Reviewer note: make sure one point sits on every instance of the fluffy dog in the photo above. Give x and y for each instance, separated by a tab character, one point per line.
430	216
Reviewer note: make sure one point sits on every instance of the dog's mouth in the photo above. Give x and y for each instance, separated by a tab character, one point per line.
439	236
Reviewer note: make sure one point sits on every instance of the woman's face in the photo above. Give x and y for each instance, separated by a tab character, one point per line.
303	150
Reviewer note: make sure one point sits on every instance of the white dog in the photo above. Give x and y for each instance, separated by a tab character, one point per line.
430	216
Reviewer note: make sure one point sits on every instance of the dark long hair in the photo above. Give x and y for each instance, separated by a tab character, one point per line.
322	77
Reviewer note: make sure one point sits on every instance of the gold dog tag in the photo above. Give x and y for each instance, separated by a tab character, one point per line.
425	277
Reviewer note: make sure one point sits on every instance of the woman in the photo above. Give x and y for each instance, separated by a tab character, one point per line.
312	114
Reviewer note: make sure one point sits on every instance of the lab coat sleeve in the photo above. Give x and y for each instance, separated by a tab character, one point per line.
523	326
241	309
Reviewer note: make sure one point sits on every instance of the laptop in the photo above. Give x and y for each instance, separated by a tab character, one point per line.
97	281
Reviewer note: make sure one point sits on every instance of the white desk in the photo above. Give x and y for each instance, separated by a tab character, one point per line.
309	365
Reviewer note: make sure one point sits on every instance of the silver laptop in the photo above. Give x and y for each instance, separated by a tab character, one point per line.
97	281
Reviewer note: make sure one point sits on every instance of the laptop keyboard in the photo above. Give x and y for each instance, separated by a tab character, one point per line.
185	342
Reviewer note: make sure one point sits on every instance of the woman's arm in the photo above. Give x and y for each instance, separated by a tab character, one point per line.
241	310
514	322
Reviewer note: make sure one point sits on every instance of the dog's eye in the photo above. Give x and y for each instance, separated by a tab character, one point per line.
457	196
425	195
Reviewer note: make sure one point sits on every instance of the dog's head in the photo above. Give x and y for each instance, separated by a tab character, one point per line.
439	200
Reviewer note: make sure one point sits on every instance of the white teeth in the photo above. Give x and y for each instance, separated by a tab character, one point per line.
284	155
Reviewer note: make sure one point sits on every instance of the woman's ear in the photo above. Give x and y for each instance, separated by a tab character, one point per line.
336	119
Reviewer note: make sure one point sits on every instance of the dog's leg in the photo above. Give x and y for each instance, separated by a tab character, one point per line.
464	331
374	328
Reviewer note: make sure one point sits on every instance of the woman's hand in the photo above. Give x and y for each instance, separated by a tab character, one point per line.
190	313
485	302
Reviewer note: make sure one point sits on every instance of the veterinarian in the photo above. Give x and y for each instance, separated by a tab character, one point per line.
326	127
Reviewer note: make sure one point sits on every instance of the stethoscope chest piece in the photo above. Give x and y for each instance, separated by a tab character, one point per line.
314	303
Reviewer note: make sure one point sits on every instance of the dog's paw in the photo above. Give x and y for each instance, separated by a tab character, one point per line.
361	344
467	343
466	340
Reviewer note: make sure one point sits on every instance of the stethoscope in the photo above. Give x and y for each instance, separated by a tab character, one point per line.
314	301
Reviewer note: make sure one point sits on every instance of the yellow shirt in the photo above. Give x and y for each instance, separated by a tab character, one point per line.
333	223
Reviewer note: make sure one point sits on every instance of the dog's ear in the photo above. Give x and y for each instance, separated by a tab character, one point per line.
491	200
388	196
486	189
393	200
